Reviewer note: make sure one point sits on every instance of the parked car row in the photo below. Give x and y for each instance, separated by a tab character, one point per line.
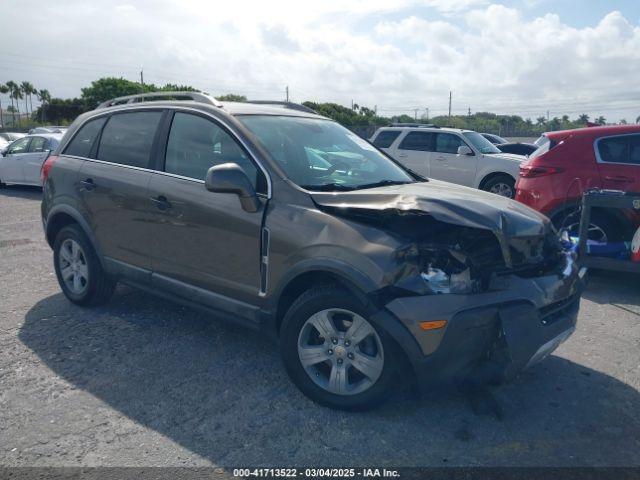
389	277
22	160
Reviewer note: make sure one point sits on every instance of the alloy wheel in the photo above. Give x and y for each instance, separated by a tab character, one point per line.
502	189
340	351
73	266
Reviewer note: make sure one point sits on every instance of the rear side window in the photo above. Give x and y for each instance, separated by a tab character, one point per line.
196	144
448	143
82	142
422	141
127	138
37	144
386	138
620	149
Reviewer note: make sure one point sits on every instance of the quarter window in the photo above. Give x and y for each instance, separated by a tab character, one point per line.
128	137
386	138
448	143
422	141
37	144
196	144
620	149
83	141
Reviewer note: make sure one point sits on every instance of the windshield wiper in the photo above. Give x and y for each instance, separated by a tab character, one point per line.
381	183
327	187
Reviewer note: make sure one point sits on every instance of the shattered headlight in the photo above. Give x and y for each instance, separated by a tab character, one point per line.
440	282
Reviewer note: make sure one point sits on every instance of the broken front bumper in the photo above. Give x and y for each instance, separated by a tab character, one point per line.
490	337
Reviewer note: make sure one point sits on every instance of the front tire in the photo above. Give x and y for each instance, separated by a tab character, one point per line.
503	185
79	272
334	353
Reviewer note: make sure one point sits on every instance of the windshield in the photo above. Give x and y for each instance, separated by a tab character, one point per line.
320	154
480	143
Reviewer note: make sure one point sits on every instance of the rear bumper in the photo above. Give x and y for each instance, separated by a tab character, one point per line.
490	337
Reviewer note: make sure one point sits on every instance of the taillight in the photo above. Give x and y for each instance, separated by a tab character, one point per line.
46	167
532	171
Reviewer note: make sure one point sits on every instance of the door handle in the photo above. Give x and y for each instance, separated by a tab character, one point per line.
619	179
441	159
161	202
88	184
402	155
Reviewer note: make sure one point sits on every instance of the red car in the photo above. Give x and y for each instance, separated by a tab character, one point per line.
569	162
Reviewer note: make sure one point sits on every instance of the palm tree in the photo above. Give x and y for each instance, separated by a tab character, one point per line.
14	90
541	120
584	118
44	97
3	89
638	120
26	89
601	120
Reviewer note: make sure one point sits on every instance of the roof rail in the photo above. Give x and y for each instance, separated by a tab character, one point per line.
418	125
290	105
142	97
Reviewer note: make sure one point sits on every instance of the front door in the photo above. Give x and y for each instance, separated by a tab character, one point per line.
415	151
34	158
619	162
447	165
11	163
201	238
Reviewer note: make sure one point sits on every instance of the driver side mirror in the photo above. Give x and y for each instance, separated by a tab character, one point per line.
464	150
230	178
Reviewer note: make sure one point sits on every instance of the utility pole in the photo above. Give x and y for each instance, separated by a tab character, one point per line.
415	114
351	104
450	95
375	110
142	77
547	115
469	113
287	92
427	110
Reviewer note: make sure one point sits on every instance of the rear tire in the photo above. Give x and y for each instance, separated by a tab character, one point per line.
80	274
502	185
602	228
341	370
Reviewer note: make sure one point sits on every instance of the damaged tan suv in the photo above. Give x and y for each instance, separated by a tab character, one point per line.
276	218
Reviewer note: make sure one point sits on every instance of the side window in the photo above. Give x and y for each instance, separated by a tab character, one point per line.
19	146
196	144
127	138
422	141
386	138
37	144
83	140
448	143
621	149
634	149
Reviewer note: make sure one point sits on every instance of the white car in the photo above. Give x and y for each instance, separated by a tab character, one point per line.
22	160
458	156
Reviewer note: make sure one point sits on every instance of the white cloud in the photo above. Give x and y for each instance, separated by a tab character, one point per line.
390	54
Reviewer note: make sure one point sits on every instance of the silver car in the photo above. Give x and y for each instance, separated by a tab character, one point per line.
22	160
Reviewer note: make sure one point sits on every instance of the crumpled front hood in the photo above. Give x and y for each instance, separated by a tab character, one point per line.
445	202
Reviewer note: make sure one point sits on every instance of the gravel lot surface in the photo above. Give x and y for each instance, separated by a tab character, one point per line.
144	382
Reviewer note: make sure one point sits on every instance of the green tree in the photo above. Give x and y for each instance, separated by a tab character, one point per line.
44	97
541	121
27	89
3	90
14	90
583	119
600	120
623	121
110	87
231	97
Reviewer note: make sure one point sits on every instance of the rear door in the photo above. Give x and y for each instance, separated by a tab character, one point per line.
618	159
415	150
201	238
34	158
11	163
447	165
113	186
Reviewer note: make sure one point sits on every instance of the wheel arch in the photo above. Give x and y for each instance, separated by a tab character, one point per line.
63	215
492	175
615	214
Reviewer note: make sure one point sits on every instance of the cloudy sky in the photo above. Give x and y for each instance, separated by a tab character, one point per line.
507	56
